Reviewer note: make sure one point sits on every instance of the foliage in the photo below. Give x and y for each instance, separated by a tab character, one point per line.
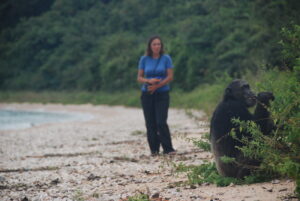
291	45
226	159
95	45
139	197
207	173
204	97
279	151
201	143
204	145
78	196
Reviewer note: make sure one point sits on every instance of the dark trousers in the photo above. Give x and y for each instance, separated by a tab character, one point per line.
155	108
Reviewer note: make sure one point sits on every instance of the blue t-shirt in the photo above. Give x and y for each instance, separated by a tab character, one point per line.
156	68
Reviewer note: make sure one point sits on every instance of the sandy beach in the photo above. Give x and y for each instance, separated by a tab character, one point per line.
107	158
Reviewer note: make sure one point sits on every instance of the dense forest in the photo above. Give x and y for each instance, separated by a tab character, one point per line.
95	45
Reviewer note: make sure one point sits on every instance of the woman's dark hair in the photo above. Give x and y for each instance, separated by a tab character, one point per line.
149	51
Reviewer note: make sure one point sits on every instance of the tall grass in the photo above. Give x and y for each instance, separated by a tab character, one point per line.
204	97
128	98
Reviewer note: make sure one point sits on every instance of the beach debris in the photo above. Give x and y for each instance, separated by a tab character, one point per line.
55	181
276	181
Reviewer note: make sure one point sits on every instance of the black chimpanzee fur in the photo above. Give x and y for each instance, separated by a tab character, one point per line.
237	99
262	115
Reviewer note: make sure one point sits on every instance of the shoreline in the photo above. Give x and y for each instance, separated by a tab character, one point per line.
107	158
26	118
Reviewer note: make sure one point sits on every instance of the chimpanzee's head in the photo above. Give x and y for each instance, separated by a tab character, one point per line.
240	90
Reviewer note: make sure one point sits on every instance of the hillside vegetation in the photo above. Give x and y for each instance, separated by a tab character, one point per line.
95	45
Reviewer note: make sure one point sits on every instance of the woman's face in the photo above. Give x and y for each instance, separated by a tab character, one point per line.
156	46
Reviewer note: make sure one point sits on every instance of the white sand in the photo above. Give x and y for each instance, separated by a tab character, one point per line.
107	158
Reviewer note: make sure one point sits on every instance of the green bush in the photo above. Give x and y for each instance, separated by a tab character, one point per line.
291	46
280	151
207	173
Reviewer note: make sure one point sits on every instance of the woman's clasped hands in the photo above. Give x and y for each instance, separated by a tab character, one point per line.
153	85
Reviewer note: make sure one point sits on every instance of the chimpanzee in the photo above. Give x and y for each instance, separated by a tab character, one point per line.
237	99
261	113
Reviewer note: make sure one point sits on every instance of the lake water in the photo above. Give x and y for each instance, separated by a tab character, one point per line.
17	119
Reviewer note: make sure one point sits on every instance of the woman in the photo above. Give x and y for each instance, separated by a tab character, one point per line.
155	71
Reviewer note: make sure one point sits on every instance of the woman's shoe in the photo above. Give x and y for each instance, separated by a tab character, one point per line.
171	153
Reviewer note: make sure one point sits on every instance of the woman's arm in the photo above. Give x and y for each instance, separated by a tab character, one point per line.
165	81
140	77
